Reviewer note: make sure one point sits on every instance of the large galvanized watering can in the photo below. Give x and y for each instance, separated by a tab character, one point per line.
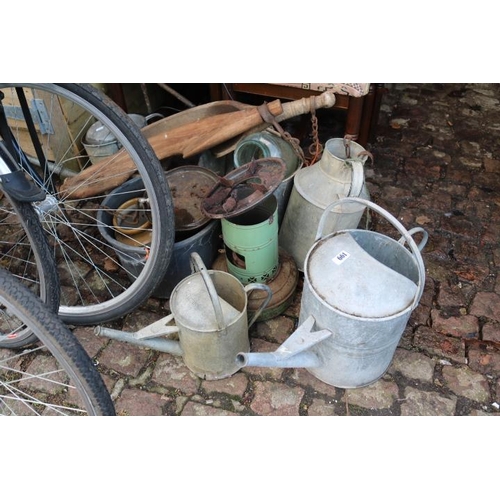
209	309
360	288
339	173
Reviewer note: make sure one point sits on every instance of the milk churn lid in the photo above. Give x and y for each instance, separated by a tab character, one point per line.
244	187
98	134
189	186
350	280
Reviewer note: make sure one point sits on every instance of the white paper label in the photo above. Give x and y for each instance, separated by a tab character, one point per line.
341	257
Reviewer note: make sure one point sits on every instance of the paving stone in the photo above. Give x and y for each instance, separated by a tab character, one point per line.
484	358
305	379
124	358
479	413
319	408
467	383
486	304
466	326
423	403
491	165
235	385
451	296
379	395
438	344
274	399
491	332
89	340
133	402
413	365
170	371
199	410
276	329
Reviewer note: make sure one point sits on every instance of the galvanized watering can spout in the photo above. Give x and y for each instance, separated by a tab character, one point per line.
293	353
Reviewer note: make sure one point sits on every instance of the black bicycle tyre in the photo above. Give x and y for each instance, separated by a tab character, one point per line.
44	277
59	340
149	168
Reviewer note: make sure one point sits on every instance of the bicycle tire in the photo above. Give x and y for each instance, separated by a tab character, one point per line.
55	378
25	253
97	282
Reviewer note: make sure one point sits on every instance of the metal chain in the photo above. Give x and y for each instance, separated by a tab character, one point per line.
315	148
295	143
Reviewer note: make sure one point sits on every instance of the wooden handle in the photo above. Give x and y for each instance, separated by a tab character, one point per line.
303	106
213	135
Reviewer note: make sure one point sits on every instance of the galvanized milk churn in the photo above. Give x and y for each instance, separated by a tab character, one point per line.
338	173
362	286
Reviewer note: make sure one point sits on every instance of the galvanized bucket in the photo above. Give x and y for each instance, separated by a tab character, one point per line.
363	287
131	243
210	310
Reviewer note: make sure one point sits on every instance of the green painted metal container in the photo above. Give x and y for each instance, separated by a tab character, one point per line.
251	241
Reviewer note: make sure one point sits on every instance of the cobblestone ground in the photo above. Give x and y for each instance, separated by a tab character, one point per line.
436	165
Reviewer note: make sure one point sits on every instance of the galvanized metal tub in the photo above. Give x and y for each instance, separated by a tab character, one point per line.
363	287
204	240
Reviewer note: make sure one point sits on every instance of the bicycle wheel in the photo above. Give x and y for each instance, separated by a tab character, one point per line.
24	252
57	376
99	281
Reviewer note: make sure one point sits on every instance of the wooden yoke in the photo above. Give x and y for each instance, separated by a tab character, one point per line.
186	140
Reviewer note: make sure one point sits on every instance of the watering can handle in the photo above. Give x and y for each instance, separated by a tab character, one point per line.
406	235
259	286
198	265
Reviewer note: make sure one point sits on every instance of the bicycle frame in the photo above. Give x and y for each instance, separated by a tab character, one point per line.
11	172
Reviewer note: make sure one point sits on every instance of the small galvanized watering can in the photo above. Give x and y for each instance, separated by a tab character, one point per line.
209	309
360	288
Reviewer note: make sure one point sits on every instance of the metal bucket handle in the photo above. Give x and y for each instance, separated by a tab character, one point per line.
198	265
258	286
406	235
414	230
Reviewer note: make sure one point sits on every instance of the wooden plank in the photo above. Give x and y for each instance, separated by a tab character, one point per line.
64	144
